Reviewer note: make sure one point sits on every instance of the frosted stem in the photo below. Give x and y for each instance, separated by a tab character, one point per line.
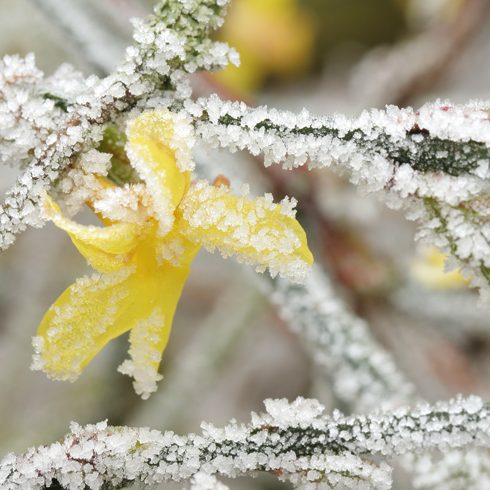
362	373
295	441
433	162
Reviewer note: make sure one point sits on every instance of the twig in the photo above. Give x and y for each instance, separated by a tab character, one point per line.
400	73
434	162
295	441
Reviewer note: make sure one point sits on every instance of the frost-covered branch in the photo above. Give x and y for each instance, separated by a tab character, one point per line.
362	373
295	441
439	137
433	162
46	123
398	73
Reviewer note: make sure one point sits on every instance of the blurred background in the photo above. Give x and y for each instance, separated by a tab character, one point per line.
228	349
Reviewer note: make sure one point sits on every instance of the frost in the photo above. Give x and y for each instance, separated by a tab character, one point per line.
319	451
433	162
362	373
46	123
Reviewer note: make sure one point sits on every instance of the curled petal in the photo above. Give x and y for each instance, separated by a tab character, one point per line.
83	319
150	333
150	151
257	231
107	249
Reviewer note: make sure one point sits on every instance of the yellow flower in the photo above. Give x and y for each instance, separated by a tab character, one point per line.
142	255
428	269
273	37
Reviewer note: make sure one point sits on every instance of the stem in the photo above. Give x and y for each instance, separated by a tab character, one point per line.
289	440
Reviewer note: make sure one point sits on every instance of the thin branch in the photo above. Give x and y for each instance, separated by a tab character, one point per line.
362	373
87	31
397	74
433	162
295	441
438	137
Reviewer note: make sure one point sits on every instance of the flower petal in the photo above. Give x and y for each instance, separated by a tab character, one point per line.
150	137
257	231
149	335
107	249
82	320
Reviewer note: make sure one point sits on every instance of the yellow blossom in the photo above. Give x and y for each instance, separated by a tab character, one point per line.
152	231
273	37
428	269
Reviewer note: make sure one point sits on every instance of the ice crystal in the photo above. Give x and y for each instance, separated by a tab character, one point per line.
202	481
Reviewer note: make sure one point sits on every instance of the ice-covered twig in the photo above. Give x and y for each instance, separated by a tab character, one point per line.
45	124
295	441
438	137
362	373
433	162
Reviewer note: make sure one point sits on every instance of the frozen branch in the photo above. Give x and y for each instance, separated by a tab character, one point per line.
433	162
362	373
295	441
399	73
438	137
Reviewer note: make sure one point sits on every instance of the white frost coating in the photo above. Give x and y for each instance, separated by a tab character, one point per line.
318	452
173	130
452	470
301	413
256	232
129	203
203	481
144	355
162	207
58	117
80	183
433	162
